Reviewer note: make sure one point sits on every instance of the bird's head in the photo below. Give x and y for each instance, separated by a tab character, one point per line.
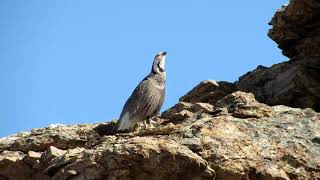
158	66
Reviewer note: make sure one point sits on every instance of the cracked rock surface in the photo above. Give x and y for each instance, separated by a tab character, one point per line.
218	130
295	83
246	140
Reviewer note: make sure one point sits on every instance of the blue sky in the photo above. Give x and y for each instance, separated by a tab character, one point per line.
77	61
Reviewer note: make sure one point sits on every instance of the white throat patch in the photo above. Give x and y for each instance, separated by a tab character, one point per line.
162	62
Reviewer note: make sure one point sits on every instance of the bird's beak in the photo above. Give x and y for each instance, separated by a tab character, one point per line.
164	53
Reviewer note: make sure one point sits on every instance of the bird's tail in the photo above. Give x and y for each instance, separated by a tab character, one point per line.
112	128
106	128
116	126
124	122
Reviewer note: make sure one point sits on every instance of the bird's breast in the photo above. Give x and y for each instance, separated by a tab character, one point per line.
159	86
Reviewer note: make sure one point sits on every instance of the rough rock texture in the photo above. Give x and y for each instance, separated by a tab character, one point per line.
235	138
214	132
296	28
244	105
208	91
296	83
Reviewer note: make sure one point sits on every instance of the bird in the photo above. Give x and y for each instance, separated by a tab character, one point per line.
147	98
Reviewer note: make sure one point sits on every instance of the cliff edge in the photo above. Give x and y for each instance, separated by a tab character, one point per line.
237	138
218	130
296	83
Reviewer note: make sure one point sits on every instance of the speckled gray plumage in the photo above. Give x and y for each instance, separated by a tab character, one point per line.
146	100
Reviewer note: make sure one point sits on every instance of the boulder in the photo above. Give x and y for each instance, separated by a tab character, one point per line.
250	140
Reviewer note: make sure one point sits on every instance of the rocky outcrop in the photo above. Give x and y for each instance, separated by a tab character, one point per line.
293	83
208	91
296	28
216	131
235	137
296	83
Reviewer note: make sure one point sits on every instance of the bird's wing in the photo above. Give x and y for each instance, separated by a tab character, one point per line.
145	101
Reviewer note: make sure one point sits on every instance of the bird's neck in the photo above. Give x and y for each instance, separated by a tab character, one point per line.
158	77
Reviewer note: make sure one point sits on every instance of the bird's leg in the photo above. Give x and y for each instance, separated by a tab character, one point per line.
151	122
145	124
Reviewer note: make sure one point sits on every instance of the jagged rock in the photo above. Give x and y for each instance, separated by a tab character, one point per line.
12	165
62	137
182	115
34	155
11	156
244	105
33	158
168	114
208	91
282	145
296	83
154	158
215	132
296	28
9	141
184	110
202	107
52	153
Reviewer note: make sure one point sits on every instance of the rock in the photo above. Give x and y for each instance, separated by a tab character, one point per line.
180	116
185	110
168	114
295	83
12	165
9	141
52	126
203	107
52	153
34	155
296	28
72	172
11	156
214	132
208	91
154	158
250	141
67	166
33	158
39	140
179	112
244	105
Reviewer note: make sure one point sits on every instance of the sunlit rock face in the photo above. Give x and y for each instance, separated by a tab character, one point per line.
218	130
234	138
295	83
